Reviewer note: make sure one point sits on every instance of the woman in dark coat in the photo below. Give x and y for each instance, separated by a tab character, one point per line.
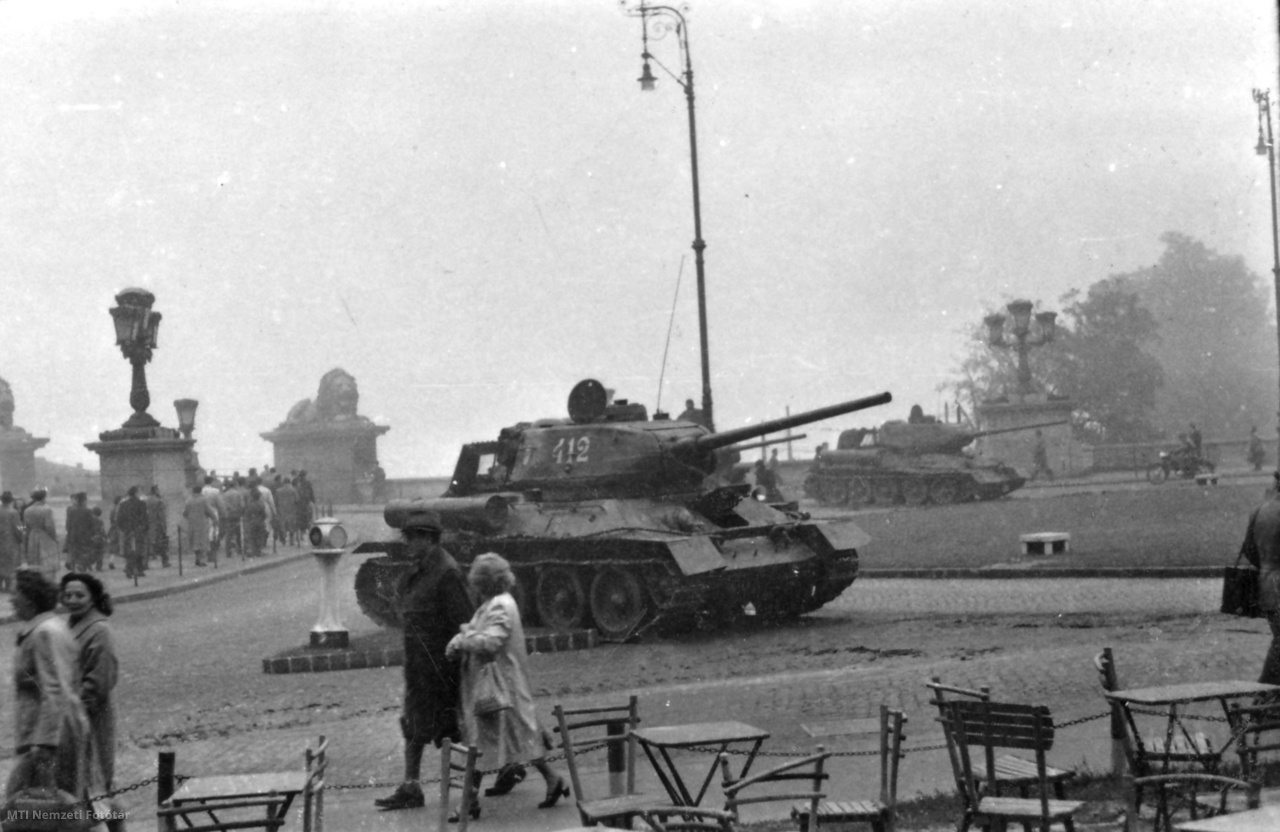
434	603
88	605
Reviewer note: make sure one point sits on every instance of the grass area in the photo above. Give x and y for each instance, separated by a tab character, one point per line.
1176	524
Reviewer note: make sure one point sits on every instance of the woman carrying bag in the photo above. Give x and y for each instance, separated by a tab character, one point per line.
497	707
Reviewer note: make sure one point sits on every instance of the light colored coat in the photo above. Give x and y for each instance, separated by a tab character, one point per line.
47	708
42	539
198	514
511	735
99	671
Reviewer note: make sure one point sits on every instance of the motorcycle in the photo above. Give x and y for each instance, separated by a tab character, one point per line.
1181	464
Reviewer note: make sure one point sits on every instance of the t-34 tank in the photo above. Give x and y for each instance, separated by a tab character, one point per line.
615	521
914	462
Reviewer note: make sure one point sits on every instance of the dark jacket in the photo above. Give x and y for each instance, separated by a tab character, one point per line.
1262	549
131	516
80	528
434	603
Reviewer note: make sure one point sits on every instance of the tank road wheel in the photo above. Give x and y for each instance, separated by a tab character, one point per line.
945	492
618	603
859	492
561	602
885	491
915	491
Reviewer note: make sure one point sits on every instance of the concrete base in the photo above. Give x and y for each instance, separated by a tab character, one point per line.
346	659
18	461
331	639
164	459
1045	543
1206	479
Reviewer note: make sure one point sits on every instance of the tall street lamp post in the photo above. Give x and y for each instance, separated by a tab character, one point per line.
1267	147
658	20
1024	337
136	330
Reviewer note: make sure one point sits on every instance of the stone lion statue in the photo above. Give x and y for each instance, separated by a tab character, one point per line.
336	401
6	405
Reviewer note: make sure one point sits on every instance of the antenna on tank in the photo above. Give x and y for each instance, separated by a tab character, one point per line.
670	323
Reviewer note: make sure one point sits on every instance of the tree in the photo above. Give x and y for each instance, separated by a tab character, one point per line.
1217	344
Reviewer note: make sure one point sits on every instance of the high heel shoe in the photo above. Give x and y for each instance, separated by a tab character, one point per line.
474	812
508	778
554	793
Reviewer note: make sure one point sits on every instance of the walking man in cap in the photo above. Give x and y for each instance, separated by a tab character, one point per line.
433	604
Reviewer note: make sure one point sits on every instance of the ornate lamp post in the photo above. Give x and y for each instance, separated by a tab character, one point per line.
1267	147
136	330
186	409
1024	336
658	21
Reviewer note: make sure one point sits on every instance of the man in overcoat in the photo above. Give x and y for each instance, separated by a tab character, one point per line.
157	528
42	536
434	603
80	531
10	540
1262	549
131	517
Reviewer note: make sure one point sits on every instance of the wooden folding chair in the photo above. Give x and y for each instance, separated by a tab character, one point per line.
1010	770
995	725
612	726
1202	795
317	760
880	814
463	769
689	819
757	788
1177	753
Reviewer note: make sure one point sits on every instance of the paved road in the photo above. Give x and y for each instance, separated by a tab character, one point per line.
192	675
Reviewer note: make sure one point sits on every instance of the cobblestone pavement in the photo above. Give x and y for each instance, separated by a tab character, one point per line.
192	680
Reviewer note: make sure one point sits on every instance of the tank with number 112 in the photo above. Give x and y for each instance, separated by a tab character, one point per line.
616	521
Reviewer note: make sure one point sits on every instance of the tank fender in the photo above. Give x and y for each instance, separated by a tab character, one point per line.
480	513
696	555
842	535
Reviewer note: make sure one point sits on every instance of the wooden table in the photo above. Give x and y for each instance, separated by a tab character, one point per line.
1262	819
658	741
272	791
1170	697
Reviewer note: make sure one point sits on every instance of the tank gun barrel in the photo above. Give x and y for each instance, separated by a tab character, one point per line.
995	431
714	441
764	443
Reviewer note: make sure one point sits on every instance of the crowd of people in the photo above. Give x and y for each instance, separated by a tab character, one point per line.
239	515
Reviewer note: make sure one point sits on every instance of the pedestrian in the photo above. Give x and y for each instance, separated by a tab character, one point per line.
255	521
11	539
88	605
157	528
131	518
99	538
50	727
509	736
200	517
113	534
434	603
1261	548
692	414
217	529
765	480
235	498
306	502
42	536
1197	442
80	529
378	480
1256	455
1040	456
287	506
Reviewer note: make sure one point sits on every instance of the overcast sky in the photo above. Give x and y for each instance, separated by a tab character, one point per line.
470	205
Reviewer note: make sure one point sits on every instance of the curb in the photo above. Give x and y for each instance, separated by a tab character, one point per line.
323	661
1001	572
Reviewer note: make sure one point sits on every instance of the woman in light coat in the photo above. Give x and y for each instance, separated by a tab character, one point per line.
88	604
42	536
51	731
510	736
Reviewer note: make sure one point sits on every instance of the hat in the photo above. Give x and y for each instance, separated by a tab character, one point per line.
6	497
423	519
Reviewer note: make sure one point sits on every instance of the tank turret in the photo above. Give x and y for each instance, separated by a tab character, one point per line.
617	521
916	462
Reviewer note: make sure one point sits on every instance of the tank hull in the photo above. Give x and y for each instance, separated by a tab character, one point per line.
882	477
674	573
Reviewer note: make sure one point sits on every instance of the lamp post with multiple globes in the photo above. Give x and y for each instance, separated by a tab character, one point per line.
1025	336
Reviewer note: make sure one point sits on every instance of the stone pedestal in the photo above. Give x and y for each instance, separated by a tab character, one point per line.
18	461
337	455
147	457
1017	448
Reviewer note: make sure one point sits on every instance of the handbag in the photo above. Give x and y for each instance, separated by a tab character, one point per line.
489	696
1240	590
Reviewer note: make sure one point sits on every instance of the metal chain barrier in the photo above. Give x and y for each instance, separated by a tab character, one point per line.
108	795
586	749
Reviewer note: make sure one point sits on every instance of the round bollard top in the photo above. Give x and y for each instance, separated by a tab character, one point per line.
327	533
